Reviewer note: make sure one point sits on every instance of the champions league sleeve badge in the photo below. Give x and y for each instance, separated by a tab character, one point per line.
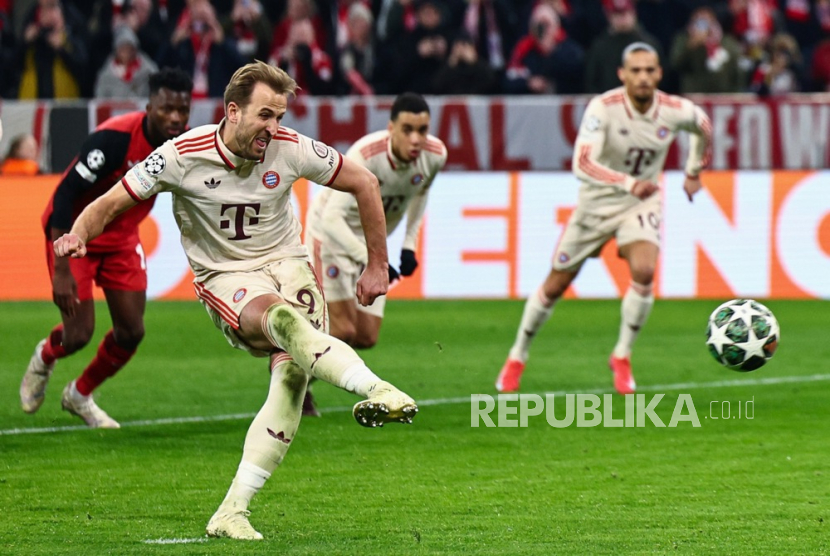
155	164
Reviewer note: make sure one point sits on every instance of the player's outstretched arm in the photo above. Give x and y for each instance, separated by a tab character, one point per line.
91	222
700	147
361	183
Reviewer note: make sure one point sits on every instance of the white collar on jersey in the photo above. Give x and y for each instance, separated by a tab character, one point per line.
231	160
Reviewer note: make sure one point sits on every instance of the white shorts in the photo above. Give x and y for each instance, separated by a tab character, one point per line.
225	295
586	234
339	273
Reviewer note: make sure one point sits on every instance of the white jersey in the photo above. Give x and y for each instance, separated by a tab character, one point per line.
234	214
617	146
334	217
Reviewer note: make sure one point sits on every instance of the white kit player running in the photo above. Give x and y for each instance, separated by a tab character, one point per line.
405	159
619	155
231	186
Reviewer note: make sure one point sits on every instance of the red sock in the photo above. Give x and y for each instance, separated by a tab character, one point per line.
53	348
109	359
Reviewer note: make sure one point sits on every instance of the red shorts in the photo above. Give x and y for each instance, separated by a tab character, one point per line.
123	269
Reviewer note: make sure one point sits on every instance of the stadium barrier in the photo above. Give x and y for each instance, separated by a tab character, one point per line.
491	235
481	133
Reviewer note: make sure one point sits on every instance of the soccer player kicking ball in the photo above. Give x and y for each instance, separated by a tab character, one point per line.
405	159
231	186
116	259
619	154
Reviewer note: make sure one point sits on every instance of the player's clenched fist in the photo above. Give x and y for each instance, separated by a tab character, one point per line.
644	189
373	283
691	185
70	245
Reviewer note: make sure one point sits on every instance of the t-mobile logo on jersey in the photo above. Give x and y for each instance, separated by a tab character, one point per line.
639	159
239	219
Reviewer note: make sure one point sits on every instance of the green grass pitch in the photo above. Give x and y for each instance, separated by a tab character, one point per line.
732	486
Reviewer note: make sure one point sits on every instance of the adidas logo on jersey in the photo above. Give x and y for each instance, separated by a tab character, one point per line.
213	183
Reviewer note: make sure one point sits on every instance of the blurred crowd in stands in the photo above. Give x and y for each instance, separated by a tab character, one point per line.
108	48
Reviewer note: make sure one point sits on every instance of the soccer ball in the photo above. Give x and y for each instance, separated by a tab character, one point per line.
742	335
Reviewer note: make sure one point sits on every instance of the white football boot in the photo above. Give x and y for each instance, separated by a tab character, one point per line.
85	408
33	385
386	404
233	525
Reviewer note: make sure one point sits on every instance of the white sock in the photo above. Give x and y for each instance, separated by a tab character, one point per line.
358	379
320	355
247	482
636	306
270	433
538	310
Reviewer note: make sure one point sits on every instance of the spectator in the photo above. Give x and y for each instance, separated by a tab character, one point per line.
341	20
199	47
706	60
753	22
297	11
250	28
303	58
357	60
664	19
126	73
464	73
423	51
823	16
21	160
780	72
105	17
583	20
52	57
801	22
397	18
7	55
605	54
545	61
147	23
820	71
492	25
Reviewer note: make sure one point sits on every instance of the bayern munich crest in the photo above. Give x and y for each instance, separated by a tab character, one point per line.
239	295
332	271
563	258
154	164
417	179
663	132
270	179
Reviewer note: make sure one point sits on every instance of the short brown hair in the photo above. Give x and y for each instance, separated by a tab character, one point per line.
244	79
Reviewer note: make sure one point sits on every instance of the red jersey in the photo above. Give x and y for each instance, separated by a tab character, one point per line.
107	154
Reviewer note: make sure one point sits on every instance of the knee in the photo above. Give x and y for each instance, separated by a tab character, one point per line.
344	331
643	273
129	337
553	292
284	320
75	338
364	340
554	287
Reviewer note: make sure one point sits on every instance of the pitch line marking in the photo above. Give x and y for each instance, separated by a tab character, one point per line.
765	381
175	541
